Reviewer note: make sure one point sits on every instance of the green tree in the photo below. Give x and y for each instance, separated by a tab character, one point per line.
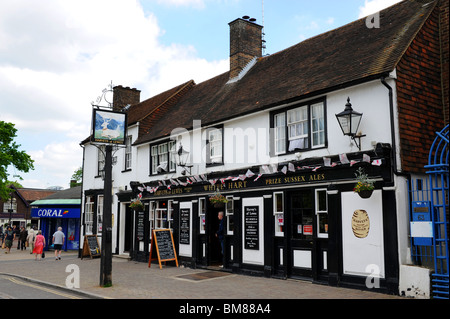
77	177
10	155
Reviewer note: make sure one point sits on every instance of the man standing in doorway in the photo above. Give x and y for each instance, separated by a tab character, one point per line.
219	233
58	242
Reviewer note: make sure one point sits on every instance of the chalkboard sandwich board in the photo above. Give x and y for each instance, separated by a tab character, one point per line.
91	247
162	240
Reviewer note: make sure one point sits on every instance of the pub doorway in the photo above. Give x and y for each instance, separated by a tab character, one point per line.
128	236
215	257
300	216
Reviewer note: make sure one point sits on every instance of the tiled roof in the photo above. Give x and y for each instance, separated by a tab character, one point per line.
342	57
30	194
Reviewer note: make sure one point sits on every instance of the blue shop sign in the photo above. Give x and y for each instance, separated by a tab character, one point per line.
51	212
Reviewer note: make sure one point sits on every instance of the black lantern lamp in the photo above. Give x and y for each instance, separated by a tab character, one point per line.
349	121
182	157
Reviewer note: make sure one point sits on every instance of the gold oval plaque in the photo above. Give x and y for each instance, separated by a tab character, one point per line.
360	223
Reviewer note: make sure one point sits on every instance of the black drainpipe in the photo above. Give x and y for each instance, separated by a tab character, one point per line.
394	147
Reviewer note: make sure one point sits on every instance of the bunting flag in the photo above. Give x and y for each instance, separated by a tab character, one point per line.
249	174
377	162
263	169
343	159
366	158
291	167
259	175
274	168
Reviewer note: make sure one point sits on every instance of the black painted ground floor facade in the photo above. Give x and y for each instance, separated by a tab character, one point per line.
305	223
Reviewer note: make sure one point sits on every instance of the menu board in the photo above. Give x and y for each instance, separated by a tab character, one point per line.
91	247
251	227
185	224
162	243
140	226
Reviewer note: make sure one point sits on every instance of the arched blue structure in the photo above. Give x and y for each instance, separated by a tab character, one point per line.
438	172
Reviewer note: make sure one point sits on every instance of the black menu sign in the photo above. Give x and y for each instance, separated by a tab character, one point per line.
251	227
140	226
185	223
163	246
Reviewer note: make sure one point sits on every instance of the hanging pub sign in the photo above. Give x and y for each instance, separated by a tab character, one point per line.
109	127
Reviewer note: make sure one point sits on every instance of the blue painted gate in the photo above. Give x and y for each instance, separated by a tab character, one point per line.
429	216
438	173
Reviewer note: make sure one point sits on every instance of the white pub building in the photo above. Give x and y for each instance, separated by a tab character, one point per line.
282	138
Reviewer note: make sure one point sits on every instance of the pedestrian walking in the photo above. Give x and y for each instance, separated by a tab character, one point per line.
23	238
58	242
30	238
39	244
9	239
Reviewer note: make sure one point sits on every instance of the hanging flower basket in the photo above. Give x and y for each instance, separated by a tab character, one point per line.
218	200
364	187
137	205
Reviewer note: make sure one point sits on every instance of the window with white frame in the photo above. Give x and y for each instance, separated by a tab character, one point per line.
278	212
280	133
202	214
170	214
229	212
89	214
151	217
128	153
10	204
161	158
215	146
322	213
299	128
99	213
160	215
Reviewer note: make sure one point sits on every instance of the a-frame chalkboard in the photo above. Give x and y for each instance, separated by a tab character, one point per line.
91	247
162	240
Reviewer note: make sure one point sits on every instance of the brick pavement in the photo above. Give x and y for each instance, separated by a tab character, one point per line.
133	280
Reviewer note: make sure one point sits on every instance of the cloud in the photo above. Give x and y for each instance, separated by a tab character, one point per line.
372	6
56	57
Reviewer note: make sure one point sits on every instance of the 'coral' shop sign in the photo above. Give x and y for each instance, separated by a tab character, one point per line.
55	212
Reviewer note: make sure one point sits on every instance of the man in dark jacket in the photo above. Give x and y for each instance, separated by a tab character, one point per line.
220	231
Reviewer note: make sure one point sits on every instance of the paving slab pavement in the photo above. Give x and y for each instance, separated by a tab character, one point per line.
135	280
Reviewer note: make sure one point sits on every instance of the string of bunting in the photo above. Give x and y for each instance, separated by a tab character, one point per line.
264	169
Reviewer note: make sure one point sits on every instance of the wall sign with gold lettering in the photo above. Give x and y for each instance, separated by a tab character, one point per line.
360	223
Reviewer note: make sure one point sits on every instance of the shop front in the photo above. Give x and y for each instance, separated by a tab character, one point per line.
52	217
305	223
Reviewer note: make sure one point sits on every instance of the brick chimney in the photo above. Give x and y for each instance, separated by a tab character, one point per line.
124	96
245	44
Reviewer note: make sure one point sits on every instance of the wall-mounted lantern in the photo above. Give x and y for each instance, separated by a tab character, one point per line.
349	121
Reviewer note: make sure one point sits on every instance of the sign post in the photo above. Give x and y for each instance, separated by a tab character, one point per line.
109	128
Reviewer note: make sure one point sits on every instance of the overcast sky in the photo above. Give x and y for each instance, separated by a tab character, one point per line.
56	57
